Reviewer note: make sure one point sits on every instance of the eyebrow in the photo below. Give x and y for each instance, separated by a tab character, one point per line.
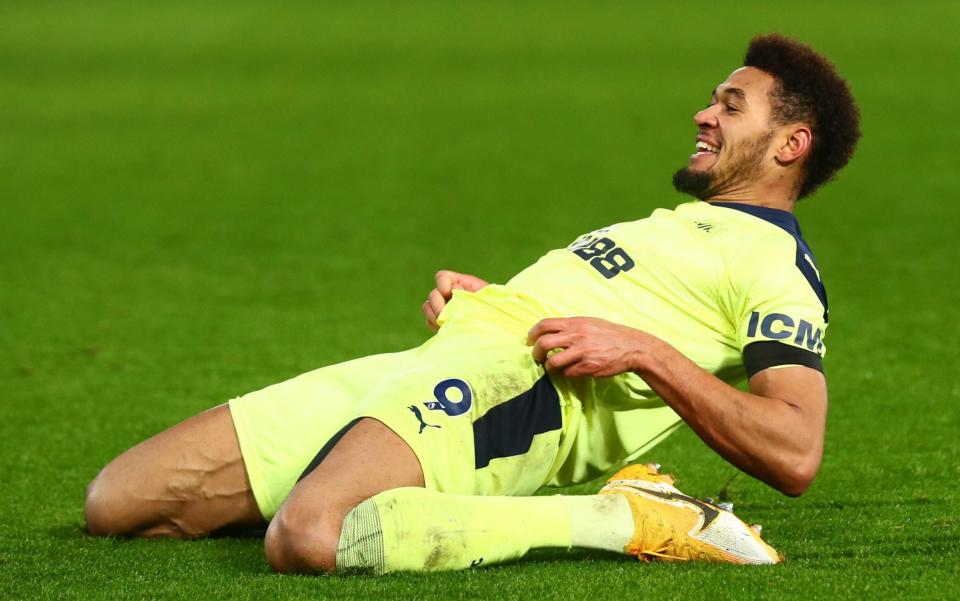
735	91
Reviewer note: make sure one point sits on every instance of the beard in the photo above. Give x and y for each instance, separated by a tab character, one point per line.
743	166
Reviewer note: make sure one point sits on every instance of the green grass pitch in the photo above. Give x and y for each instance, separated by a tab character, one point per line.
200	199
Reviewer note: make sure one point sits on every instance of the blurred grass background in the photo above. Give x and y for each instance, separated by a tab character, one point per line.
200	199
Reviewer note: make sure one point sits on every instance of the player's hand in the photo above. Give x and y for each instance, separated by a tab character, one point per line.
588	346
447	282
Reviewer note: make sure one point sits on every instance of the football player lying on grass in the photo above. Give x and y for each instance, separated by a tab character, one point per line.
426	459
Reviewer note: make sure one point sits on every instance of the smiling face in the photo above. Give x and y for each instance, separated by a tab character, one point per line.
734	138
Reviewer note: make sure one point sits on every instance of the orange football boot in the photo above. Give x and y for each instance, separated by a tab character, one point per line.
672	526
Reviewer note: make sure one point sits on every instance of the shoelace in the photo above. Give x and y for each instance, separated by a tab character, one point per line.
663	551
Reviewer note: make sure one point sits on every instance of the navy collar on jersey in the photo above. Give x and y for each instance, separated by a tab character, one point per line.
785	220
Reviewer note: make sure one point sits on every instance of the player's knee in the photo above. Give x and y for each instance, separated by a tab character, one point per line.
301	541
106	507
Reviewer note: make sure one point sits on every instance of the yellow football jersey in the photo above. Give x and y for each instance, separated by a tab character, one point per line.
733	287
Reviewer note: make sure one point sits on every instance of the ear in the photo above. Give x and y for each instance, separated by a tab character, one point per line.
797	144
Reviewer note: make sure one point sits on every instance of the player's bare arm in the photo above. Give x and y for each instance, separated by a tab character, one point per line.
774	432
447	282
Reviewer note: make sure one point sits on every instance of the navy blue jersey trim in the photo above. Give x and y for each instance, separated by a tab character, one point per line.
783	219
786	221
508	429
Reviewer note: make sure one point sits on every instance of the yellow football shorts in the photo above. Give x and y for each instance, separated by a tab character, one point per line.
481	416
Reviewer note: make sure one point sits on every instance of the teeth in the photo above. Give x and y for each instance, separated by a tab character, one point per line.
707	147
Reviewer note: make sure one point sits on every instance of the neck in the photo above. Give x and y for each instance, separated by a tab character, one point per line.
781	193
783	204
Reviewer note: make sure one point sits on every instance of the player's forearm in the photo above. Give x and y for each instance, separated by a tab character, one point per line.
765	437
771	438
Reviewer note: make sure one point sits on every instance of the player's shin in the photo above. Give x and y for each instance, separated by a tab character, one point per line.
418	530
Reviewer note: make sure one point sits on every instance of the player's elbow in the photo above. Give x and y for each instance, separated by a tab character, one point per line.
797	478
794	487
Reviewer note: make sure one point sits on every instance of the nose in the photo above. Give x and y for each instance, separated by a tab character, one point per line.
707	117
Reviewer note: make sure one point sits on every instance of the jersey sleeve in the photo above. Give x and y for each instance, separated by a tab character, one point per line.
782	320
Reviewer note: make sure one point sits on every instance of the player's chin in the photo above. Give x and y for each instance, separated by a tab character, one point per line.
695	182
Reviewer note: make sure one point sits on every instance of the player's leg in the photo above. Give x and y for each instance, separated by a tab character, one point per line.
369	458
399	447
322	528
187	481
231	466
638	513
372	477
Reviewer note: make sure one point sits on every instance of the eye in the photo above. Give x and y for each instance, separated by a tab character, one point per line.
731	109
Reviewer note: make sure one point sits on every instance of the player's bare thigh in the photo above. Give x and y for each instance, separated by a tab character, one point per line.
188	481
369	459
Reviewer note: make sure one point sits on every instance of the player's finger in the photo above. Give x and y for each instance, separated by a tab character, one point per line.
437	301
544	326
575	371
472	283
581	367
562	360
430	316
445	281
547	343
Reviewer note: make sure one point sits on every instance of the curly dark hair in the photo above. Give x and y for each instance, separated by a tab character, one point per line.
809	89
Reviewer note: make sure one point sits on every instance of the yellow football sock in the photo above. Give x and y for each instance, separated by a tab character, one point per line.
418	529
600	521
